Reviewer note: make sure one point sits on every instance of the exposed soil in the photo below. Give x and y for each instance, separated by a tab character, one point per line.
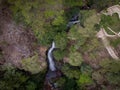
103	35
94	62
114	9
16	41
114	53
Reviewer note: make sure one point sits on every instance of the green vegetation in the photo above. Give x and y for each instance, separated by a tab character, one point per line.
115	42
60	82
102	4
59	54
84	79
61	40
109	72
48	20
75	59
32	64
110	21
81	76
113	72
1	55
114	23
70	84
83	39
85	76
70	72
39	15
12	78
71	3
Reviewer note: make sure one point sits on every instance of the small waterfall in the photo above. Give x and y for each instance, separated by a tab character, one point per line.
74	20
72	23
50	57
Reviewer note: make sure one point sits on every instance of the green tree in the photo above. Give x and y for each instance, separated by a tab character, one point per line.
61	40
32	64
75	59
85	79
39	15
12	79
70	84
70	72
59	54
101	4
111	71
71	3
31	86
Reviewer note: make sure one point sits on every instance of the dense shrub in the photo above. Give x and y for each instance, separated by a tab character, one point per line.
101	4
32	64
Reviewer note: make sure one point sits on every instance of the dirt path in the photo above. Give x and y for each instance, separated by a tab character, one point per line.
103	35
114	9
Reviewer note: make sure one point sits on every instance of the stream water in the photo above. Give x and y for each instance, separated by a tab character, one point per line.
53	73
73	20
50	57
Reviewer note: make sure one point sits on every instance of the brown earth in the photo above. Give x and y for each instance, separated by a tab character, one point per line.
16	41
103	35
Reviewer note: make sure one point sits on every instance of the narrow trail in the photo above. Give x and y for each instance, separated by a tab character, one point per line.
113	9
103	35
116	34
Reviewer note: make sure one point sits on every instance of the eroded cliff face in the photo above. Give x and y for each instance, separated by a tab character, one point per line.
17	42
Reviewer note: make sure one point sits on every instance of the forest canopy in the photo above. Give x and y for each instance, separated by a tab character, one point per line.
80	56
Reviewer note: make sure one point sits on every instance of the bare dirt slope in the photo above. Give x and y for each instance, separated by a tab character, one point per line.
16	42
